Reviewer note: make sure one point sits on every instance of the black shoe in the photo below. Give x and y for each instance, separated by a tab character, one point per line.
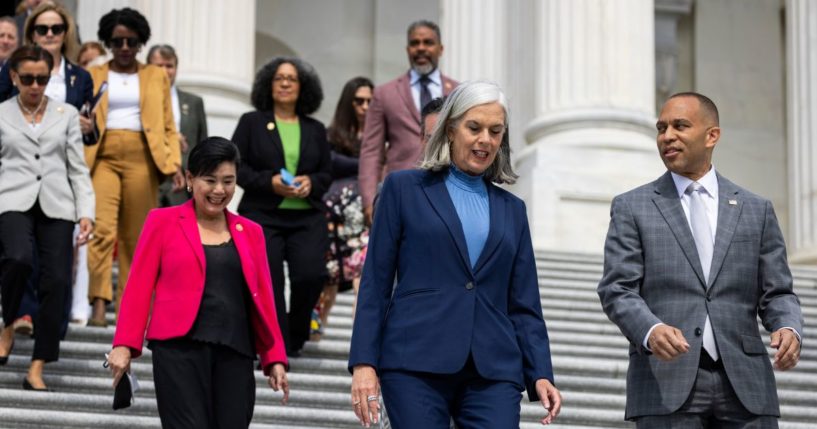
4	360
27	386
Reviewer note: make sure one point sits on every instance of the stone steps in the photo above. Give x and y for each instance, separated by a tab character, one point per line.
589	357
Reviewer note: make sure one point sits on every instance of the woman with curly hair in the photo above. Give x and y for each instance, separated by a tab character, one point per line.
286	171
347	231
136	145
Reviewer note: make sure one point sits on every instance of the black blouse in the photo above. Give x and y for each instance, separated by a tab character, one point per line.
223	316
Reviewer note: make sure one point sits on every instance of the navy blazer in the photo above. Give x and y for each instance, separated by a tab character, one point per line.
262	156
443	310
79	87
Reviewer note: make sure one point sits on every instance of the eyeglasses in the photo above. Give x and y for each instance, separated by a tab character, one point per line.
56	29
359	101
281	79
28	79
119	42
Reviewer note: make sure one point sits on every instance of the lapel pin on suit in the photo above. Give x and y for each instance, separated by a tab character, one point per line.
270	126
733	202
239	227
73	78
60	109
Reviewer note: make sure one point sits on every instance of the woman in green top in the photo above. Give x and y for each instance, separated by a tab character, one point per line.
285	171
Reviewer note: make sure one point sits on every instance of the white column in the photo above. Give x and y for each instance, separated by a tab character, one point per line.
215	42
593	135
475	39
801	52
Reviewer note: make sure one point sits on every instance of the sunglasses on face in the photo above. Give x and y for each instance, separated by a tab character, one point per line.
56	29
28	79
359	101
119	42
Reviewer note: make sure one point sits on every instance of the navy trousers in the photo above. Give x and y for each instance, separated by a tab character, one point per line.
424	400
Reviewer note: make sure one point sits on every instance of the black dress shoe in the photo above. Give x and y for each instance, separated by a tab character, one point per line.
27	386
4	360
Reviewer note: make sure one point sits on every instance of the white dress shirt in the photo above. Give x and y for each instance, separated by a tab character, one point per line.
56	89
435	87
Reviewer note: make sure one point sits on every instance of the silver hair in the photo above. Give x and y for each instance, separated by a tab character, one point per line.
437	153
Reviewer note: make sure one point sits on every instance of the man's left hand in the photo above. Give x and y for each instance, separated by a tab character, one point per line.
788	349
551	399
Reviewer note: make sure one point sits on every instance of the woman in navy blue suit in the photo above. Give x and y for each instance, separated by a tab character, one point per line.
460	333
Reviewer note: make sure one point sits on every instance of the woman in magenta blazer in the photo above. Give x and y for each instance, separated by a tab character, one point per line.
213	308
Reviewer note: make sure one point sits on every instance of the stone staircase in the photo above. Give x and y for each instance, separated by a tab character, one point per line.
589	356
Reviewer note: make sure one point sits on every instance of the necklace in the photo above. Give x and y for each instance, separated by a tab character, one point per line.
29	112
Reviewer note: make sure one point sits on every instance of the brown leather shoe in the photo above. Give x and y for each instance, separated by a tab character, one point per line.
103	323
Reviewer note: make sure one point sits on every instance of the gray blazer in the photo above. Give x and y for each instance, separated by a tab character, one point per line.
652	274
46	165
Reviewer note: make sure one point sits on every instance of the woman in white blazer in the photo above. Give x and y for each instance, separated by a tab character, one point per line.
45	187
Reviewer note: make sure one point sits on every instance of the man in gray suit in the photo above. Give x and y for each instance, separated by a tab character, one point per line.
191	121
691	260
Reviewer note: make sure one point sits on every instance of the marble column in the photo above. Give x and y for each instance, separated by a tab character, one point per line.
471	51
215	42
801	54
593	134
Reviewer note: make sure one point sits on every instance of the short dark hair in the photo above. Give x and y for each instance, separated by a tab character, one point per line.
165	51
342	132
9	20
433	106
87	46
209	153
128	17
310	95
424	23
708	106
30	53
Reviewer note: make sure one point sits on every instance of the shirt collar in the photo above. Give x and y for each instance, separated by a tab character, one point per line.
709	182
61	70
434	76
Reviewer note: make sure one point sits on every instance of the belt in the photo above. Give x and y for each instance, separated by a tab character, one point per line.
706	362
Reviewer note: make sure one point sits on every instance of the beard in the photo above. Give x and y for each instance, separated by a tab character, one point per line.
423	69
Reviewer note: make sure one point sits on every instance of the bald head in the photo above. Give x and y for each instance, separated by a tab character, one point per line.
707	108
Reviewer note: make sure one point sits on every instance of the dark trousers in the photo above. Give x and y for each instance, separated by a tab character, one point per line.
201	385
29	303
300	238
712	404
424	400
52	239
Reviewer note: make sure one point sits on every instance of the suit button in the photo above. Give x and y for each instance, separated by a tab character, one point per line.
469	285
709	298
698	332
147	130
39	177
37	156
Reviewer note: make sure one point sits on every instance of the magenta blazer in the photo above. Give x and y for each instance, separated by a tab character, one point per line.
169	261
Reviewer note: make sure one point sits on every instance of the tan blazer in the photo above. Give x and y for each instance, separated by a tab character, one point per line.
157	117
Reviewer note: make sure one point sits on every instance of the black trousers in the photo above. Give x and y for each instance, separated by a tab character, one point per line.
201	385
300	238
52	238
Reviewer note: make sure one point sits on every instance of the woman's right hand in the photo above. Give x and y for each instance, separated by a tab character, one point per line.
119	362
365	394
282	189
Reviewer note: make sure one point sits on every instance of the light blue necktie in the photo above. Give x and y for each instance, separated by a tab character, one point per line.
702	232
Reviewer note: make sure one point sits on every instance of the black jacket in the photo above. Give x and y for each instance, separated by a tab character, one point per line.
262	156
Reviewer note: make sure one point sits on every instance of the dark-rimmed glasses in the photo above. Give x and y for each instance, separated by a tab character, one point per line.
359	101
28	79
119	42
56	29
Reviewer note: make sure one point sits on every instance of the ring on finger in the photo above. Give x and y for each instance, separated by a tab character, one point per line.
371	398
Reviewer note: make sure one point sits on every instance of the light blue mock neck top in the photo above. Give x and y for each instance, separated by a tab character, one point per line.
470	197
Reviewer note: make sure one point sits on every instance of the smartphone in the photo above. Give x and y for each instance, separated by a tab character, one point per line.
288	178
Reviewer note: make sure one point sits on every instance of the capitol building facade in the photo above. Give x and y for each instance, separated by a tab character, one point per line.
584	79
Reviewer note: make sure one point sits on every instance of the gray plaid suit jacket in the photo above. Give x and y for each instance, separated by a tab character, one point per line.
652	274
